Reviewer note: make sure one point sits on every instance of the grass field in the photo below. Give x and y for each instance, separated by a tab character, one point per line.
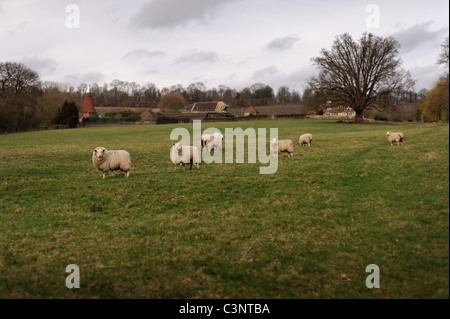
225	231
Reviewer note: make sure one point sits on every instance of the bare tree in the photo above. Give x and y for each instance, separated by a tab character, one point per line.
362	74
444	57
284	95
16	78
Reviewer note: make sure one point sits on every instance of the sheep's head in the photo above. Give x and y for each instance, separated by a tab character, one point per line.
388	133
178	147
273	141
100	152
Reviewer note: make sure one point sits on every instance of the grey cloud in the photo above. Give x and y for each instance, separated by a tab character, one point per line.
196	56
425	75
19	28
142	54
282	44
42	66
171	13
88	78
269	71
303	75
416	35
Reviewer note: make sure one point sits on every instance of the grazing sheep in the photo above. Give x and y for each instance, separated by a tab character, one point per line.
214	142
205	139
106	161
278	146
181	154
306	139
394	137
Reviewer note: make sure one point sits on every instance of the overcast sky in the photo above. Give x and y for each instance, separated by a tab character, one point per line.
217	42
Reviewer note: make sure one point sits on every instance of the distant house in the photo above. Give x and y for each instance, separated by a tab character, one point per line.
250	111
336	109
339	111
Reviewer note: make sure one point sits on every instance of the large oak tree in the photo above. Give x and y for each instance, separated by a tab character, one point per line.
361	74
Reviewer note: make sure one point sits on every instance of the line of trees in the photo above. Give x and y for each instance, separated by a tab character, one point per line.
132	94
362	74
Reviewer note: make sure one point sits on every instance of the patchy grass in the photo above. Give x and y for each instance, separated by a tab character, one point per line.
308	231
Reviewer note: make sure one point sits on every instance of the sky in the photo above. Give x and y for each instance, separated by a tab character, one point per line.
216	42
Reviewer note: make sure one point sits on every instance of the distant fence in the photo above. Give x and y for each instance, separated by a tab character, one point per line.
174	119
162	119
94	124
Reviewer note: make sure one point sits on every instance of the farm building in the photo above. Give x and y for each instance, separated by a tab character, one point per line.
147	117
250	111
87	109
208	107
199	110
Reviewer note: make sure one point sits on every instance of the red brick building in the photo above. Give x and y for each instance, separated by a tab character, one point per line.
87	107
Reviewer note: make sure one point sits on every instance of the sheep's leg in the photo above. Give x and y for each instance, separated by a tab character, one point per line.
184	167
127	174
190	167
198	166
104	175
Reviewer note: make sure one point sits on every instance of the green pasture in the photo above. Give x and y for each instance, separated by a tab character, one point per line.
225	231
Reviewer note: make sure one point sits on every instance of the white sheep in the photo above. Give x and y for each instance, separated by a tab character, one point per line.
305	139
278	146
395	137
205	139
214	142
106	161
182	154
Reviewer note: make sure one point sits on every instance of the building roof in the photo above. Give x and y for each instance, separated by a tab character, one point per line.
146	115
251	109
88	105
217	106
337	109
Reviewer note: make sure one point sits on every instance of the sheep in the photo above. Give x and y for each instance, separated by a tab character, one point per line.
205	139
182	154
112	160
306	139
214	142
395	137
278	146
